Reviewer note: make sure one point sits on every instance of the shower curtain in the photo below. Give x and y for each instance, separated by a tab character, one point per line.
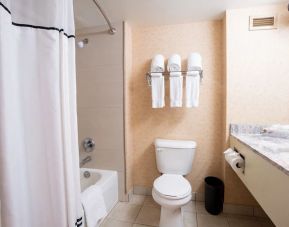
39	166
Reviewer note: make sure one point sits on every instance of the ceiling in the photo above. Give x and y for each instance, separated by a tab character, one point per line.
157	12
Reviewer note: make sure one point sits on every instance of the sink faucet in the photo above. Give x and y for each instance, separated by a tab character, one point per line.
85	160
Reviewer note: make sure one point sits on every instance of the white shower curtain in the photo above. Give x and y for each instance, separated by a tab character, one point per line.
39	170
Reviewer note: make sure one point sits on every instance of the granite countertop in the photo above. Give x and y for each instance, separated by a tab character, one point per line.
274	149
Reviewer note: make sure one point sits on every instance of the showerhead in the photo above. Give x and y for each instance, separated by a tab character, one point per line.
82	43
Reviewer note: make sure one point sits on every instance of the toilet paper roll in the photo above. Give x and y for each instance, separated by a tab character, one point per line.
237	163
230	154
228	151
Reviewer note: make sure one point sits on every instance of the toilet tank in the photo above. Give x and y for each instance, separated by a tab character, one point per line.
175	156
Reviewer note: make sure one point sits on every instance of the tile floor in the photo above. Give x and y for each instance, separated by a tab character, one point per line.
142	211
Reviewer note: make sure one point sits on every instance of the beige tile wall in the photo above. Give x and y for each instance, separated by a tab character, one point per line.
100	98
203	124
257	78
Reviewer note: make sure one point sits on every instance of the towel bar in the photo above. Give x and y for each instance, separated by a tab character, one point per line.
167	75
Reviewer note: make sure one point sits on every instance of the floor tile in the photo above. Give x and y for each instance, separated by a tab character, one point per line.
190	207
137	199
243	222
109	222
149	215
149	201
138	225
190	219
205	220
142	211
238	209
200	208
125	212
245	217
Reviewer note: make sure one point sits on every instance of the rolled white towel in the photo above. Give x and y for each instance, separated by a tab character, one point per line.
158	63
194	62
174	63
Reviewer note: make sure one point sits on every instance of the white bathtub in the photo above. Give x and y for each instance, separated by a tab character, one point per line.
108	182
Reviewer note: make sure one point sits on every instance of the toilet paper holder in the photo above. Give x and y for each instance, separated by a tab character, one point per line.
243	164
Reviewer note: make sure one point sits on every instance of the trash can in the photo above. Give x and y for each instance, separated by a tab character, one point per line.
214	195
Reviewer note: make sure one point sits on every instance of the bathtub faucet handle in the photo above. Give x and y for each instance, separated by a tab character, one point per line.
88	144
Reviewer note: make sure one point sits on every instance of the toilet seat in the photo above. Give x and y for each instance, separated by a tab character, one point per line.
172	186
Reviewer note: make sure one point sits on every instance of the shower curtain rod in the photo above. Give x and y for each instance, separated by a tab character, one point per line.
112	30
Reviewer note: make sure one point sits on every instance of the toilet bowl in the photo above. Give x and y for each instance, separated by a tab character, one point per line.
171	192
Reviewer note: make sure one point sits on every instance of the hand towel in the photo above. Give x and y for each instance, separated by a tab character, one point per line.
174	63
158	90
94	206
158	63
176	89
157	81
194	62
192	89
176	81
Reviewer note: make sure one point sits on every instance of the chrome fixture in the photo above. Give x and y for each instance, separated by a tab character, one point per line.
86	174
88	144
167	75
82	43
85	160
111	30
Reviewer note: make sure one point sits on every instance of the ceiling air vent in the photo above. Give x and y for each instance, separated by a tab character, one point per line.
263	22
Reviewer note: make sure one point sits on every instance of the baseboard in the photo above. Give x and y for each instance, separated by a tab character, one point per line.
200	197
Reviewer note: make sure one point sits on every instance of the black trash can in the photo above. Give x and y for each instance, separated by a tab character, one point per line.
214	195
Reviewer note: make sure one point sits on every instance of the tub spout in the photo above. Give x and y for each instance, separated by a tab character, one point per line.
85	160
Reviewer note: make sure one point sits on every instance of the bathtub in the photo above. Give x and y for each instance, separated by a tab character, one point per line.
108	182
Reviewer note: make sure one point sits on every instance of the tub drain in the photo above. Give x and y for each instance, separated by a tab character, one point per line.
86	174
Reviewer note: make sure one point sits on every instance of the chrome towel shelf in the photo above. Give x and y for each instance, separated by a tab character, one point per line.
167	75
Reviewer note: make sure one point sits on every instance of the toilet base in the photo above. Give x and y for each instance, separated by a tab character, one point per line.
171	217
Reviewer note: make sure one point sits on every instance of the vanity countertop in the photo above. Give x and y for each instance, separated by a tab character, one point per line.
273	149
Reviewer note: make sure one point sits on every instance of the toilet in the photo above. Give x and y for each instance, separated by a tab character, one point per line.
171	190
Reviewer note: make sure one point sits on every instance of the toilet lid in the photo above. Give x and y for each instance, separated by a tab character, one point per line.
172	185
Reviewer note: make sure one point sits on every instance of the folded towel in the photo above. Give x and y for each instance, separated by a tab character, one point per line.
192	89
158	63
94	206
176	89
194	62
174	63
158	90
